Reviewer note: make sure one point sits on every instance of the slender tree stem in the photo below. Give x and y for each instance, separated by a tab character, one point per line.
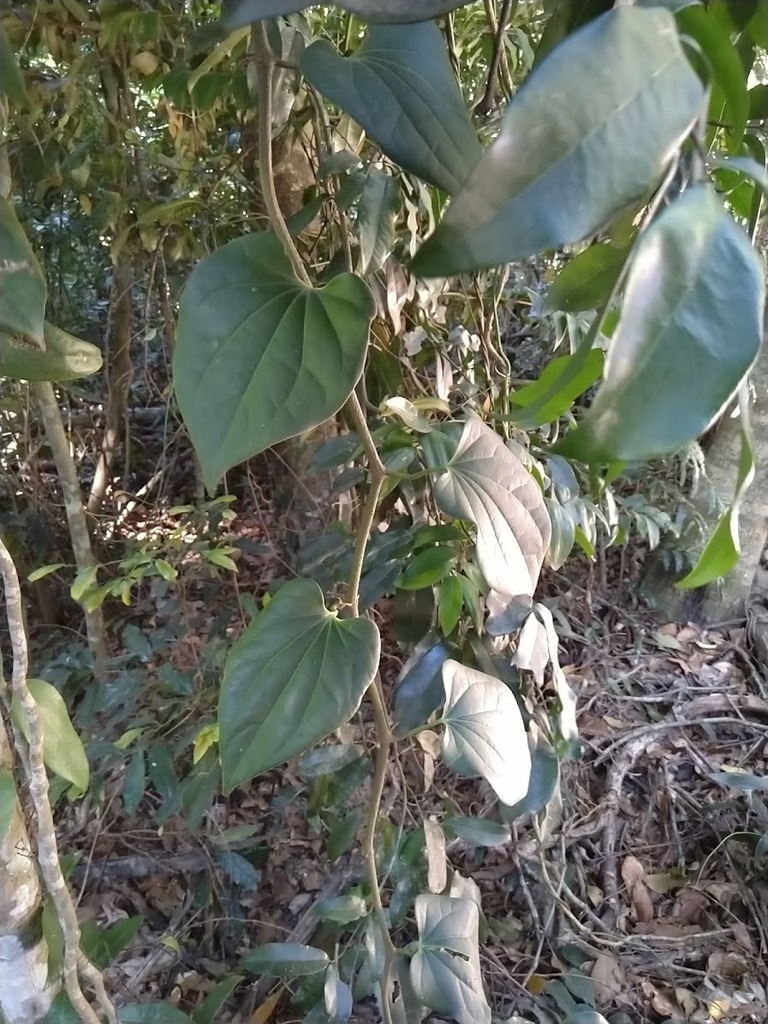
264	64
47	848
378	474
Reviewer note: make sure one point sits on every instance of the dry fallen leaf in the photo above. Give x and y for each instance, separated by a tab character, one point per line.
263	1013
632	871
609	978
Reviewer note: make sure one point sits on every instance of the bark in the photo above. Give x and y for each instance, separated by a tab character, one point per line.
75	511
24	994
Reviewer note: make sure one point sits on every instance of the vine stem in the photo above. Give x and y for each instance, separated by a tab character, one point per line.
47	848
384	739
265	63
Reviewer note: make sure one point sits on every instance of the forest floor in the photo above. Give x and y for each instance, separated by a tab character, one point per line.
640	891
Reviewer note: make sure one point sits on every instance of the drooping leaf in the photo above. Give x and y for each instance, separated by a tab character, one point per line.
449	604
63	750
400	87
241	12
208	1011
65	357
23	289
337	997
477	478
376	215
445	970
419	688
692	311
478	831
543	181
285	960
722	550
261	357
296	674
484	731
563	534
706	29
586	281
426	568
9	802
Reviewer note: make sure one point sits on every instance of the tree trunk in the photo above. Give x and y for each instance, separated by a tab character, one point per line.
24	994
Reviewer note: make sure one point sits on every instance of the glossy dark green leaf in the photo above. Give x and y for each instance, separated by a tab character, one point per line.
543	181
477	478
261	357
430	566
587	280
484	731
478	831
103	945
208	1011
327	760
400	87
241	12
297	673
567	16
726	66
561	382
9	802
285	960
445	970
63	750
692	311
449	604
419	689
23	289
65	357
376	215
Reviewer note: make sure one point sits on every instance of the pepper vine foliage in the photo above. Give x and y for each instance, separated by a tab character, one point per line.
647	167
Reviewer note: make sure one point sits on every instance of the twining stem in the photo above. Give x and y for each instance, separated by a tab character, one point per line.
378	474
265	63
47	848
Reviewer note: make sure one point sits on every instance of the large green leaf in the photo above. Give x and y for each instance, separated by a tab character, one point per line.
11	82
241	12
692	312
260	356
296	674
476	477
484	731
574	149
63	750
65	357
400	87
285	960
560	384
22	284
445	969
566	18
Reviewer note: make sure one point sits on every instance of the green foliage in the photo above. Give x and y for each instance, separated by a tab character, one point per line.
65	357
22	284
240	12
63	751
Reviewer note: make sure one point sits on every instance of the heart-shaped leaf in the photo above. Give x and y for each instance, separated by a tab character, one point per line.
445	970
296	674
261	357
400	87
693	310
241	12
484	731
65	357
23	290
543	182
63	750
285	960
476	477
